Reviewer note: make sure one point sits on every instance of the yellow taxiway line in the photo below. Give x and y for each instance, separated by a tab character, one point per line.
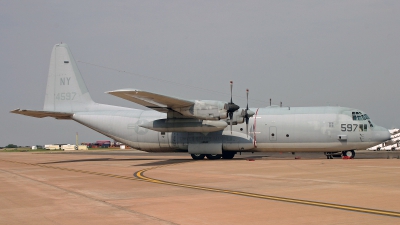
139	176
74	170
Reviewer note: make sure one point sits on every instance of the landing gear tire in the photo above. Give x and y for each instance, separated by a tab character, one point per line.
217	156
351	154
198	156
228	155
378	149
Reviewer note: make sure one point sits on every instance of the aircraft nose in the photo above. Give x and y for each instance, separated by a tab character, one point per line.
381	134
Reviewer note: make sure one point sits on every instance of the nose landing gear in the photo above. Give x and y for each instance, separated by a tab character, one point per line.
351	154
330	155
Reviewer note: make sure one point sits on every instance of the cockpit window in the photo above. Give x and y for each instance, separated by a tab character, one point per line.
358	116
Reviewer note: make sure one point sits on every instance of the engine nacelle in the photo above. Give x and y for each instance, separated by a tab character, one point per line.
205	109
236	119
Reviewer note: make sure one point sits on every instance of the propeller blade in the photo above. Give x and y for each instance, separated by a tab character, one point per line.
230	119
247	126
248	113
231	108
231	91
247	93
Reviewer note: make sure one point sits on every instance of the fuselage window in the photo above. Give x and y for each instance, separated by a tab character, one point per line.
361	127
354	116
365	127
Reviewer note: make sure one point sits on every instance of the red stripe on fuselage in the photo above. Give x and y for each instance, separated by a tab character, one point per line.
254	130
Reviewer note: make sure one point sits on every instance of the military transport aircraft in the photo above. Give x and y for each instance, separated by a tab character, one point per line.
203	128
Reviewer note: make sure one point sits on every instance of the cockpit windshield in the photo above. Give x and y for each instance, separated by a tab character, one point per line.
361	116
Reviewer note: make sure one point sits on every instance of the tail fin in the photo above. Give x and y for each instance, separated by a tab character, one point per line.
66	91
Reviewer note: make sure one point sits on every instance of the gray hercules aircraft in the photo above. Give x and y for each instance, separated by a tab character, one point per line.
203	128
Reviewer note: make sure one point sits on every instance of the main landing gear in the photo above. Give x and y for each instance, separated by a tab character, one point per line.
197	156
224	155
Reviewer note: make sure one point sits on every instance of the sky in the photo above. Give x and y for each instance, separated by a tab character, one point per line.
301	53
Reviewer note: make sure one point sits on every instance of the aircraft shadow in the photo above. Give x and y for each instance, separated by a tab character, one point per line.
165	162
98	159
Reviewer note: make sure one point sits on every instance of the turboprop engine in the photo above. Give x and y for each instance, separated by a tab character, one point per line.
205	109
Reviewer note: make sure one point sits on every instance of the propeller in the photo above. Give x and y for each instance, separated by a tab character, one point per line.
231	108
247	113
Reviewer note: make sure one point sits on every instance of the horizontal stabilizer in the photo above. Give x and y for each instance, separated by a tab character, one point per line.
41	114
151	100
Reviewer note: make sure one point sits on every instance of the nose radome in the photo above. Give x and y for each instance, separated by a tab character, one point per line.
381	134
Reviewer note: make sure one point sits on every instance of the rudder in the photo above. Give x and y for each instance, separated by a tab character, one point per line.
66	91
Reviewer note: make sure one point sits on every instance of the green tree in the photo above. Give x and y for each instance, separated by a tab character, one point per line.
11	146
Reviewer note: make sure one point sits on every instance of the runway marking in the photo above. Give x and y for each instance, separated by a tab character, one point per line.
75	170
139	176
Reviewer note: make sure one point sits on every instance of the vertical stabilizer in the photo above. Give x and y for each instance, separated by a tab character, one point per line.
66	91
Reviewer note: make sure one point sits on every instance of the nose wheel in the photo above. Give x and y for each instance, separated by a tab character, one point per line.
351	154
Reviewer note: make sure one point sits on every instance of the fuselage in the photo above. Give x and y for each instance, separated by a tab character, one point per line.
291	129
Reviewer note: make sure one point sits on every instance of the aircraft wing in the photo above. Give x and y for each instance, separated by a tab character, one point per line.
41	114
151	100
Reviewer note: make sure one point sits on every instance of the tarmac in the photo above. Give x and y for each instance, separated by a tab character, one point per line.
132	187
